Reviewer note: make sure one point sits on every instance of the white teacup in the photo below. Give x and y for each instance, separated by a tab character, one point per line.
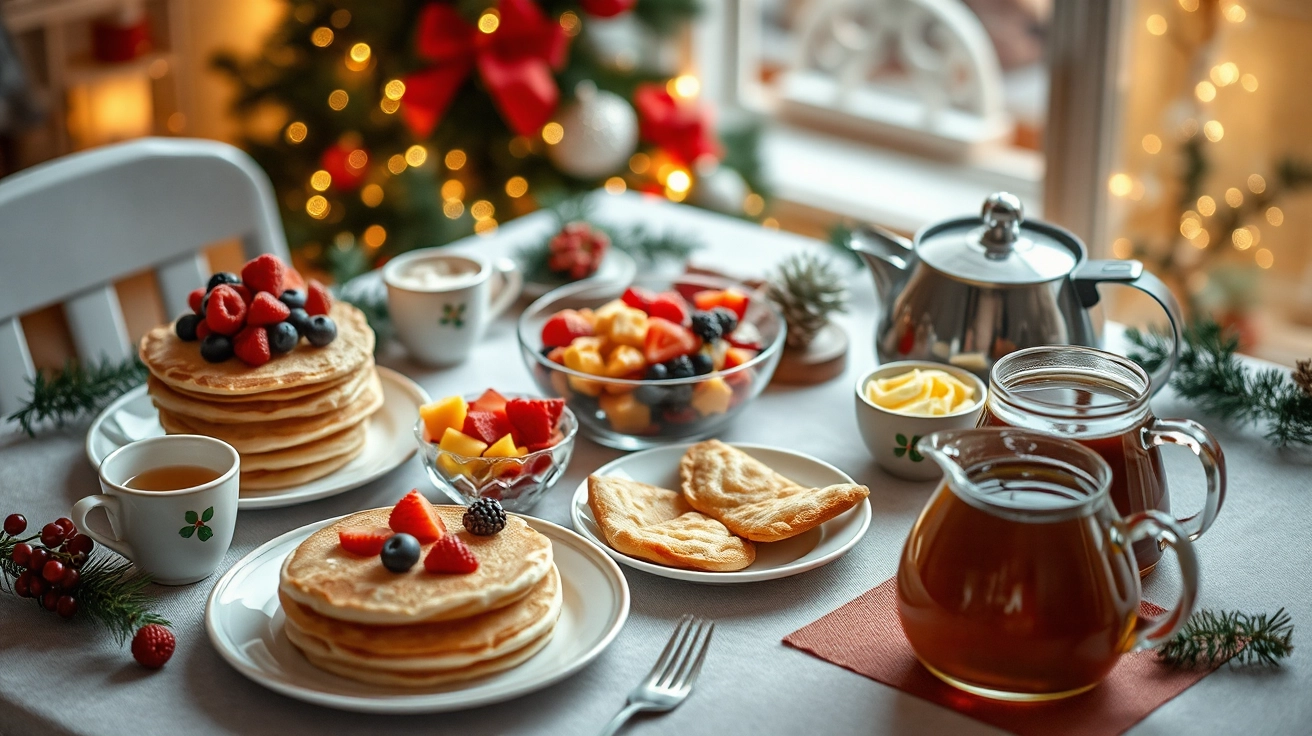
180	536
441	303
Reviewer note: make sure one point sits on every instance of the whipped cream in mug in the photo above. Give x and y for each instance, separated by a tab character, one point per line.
440	272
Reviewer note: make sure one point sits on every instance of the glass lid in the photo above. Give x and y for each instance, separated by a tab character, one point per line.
1000	248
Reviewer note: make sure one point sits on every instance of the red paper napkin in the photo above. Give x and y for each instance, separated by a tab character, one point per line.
866	637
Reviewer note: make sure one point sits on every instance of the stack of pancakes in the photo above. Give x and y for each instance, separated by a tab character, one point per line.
350	616
298	417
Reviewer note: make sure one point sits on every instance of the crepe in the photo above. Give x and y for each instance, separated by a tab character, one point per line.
753	500
322	576
658	525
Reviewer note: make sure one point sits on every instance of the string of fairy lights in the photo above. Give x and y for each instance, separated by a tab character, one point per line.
1224	77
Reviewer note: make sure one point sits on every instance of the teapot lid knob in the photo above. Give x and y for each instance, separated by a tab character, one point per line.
1002	213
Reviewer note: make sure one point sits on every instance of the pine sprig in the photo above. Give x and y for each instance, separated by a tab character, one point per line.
1212	637
77	390
1211	375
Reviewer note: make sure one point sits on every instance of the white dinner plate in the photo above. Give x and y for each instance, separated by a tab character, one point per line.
245	623
819	546
388	443
617	268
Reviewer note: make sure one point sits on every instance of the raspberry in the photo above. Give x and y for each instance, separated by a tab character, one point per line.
194	299
225	313
251	346
292	279
266	310
244	293
264	273
450	555
318	300
152	646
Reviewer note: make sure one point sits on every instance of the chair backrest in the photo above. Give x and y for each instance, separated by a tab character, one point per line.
72	227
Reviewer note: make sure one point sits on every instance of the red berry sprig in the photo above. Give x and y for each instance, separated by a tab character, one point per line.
49	563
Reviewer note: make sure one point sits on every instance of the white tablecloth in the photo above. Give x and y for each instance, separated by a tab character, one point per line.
70	678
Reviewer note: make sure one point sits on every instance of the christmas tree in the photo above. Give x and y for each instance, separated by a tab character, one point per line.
403	125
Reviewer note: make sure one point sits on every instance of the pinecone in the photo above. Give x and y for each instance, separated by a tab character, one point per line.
807	290
1303	376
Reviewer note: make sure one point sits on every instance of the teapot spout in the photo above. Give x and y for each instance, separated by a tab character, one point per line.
945	447
886	253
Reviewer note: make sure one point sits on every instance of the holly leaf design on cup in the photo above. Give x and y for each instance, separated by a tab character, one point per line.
196	525
908	447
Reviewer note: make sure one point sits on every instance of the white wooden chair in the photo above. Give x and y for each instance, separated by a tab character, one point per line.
72	227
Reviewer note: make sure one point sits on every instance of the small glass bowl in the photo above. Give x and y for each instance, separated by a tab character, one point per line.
517	482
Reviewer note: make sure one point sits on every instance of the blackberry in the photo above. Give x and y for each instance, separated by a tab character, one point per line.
707	326
484	517
680	367
701	363
727	319
657	372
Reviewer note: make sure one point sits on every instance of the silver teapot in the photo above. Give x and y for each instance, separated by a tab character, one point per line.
970	290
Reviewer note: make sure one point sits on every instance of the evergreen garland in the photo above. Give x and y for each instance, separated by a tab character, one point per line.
1214	637
76	391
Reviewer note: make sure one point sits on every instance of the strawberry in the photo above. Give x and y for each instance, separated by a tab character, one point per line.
243	292
264	273
638	298
415	516
563	327
153	645
317	299
731	299
557	355
266	310
532	419
669	306
194	299
364	541
486	426
450	555
225	313
292	279
251	345
552	441
490	401
667	340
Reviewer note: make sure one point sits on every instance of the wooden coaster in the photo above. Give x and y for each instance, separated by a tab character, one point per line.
823	360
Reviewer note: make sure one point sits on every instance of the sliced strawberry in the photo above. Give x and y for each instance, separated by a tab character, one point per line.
450	555
557	355
415	516
530	420
251	346
225	312
731	299
486	426
638	298
364	541
490	401
563	327
668	305
317	299
266	310
195	298
264	273
667	340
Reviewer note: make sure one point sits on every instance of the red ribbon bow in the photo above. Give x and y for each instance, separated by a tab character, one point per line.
515	62
682	127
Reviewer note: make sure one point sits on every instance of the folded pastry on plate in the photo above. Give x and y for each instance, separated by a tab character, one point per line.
754	501
658	525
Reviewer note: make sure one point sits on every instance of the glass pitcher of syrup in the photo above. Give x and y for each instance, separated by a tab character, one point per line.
1101	401
1019	580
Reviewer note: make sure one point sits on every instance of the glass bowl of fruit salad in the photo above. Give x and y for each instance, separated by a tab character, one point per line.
663	361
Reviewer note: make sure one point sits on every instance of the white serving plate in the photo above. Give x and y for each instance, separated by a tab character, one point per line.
817	547
388	443
245	624
617	269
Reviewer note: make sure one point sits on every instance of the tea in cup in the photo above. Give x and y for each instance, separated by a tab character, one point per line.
171	503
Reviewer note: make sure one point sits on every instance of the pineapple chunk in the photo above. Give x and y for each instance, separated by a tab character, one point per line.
712	396
459	443
605	313
624	360
627	327
443	414
585	359
504	447
625	413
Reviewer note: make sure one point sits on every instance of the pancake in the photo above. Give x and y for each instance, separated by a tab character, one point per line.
334	445
284	433
314	652
259	409
278	394
435	646
269	480
332	582
180	365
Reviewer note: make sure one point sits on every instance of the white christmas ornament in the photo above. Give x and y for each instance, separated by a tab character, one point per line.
721	189
601	132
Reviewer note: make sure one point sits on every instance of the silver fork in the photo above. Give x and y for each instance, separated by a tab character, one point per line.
670	681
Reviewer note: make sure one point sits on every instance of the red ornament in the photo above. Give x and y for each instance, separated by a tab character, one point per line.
338	162
123	37
515	62
684	128
607	8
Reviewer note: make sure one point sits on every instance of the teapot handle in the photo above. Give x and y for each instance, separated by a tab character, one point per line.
1132	273
1167	532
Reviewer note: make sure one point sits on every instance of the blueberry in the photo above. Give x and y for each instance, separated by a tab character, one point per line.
651	395
657	372
727	318
283	337
702	364
222	277
293	298
400	552
678	396
299	319
680	367
707	326
320	330
215	348
185	327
